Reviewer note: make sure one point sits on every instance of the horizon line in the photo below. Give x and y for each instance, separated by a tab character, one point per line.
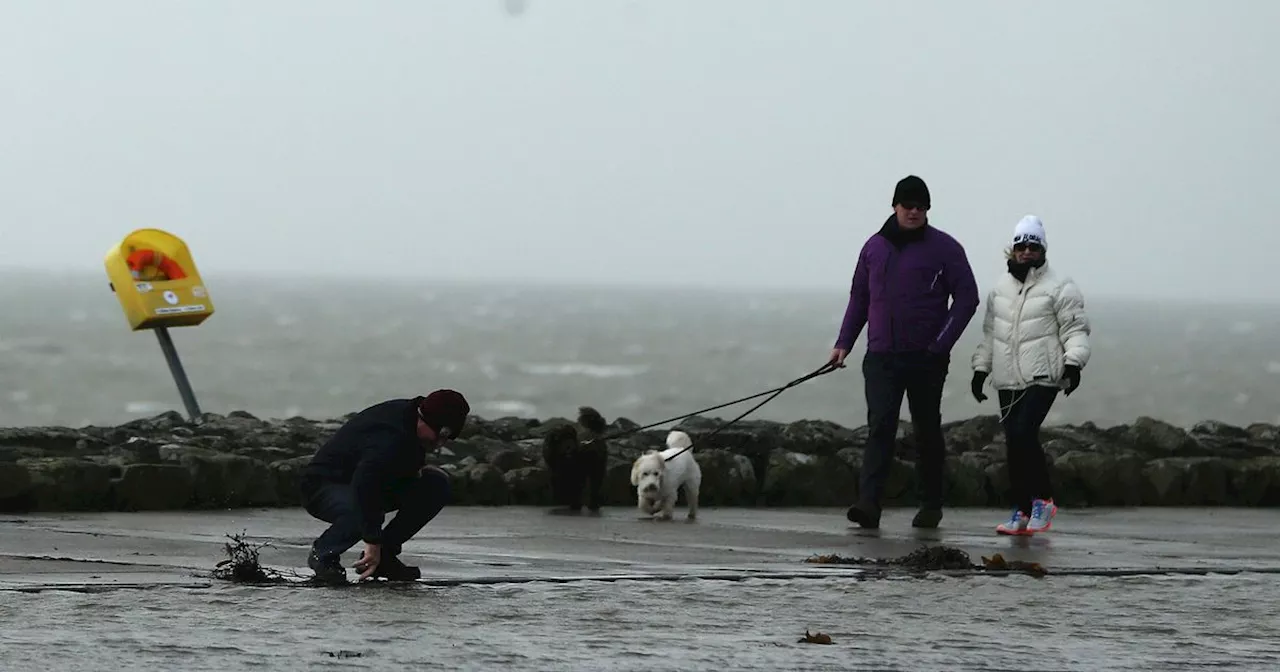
838	290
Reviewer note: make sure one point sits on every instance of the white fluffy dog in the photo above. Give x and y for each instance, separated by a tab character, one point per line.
658	480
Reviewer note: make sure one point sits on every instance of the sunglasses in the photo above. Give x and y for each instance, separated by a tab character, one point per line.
914	206
1021	247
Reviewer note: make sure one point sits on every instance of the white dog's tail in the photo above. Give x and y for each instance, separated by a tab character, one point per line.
679	439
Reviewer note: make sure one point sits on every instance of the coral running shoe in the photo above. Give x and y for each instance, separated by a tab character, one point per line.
1017	523
1042	513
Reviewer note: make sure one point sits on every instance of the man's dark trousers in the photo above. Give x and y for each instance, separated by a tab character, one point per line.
415	500
888	377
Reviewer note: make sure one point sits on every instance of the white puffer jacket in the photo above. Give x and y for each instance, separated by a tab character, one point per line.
1032	330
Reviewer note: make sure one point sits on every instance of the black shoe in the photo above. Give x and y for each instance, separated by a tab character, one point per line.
328	569
391	569
927	517
864	516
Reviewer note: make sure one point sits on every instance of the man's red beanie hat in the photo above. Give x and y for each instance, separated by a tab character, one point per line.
444	411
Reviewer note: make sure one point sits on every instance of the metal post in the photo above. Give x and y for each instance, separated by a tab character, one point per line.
179	376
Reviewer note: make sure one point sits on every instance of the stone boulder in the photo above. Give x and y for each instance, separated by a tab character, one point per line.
617	490
1208	481
67	484
459	487
508	428
966	480
146	487
1082	478
287	475
482	448
728	479
15	482
1256	482
996	476
163	423
753	439
1218	439
240	460
1158	439
267	454
902	488
971	435
51	441
135	450
1164	482
486	486
1265	434
806	479
529	486
509	459
815	437
221	480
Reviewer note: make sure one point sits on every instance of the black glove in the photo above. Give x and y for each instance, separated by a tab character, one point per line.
979	377
1071	373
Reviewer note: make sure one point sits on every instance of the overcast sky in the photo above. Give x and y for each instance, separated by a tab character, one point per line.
727	142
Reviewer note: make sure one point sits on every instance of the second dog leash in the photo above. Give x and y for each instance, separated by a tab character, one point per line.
822	370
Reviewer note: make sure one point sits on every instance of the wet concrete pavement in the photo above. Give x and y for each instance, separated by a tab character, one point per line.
483	545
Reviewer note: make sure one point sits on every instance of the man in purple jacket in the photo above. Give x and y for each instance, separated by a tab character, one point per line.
906	273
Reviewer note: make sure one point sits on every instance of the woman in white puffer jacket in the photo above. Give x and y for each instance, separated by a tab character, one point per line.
1035	341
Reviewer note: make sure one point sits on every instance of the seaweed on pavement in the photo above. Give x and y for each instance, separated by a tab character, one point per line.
923	558
934	558
242	564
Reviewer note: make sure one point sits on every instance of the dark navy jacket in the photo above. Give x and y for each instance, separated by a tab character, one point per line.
375	448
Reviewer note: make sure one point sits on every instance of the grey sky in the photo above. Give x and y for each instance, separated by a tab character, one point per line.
729	142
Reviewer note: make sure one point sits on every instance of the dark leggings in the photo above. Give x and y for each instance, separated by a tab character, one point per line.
1022	412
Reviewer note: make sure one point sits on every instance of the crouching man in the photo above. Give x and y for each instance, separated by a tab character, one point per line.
375	463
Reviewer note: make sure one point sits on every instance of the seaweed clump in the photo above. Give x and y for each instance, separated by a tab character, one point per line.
998	563
934	558
925	558
815	638
242	564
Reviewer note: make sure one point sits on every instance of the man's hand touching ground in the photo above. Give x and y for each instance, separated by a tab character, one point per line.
369	560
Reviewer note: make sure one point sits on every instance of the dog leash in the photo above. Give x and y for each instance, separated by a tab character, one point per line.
772	394
820	371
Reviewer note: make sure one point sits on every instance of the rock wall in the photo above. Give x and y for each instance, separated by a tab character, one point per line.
237	460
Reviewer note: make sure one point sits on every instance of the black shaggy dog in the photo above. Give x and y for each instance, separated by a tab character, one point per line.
576	457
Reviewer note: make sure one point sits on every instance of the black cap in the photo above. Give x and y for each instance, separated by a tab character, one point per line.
911	189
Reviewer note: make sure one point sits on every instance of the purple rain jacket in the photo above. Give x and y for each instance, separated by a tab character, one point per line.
901	288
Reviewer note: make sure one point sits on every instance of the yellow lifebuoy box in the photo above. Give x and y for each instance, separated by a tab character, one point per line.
155	279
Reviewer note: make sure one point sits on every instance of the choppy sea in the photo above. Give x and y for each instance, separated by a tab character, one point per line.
278	348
